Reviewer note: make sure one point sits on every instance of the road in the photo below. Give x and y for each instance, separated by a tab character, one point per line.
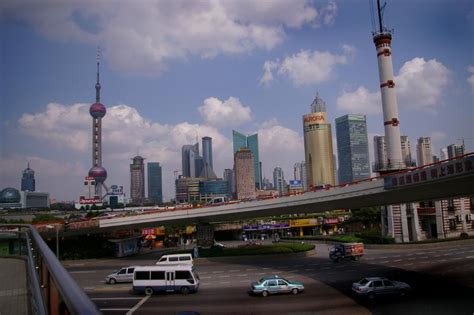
442	279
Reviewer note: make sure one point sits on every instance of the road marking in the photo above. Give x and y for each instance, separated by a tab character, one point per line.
293	271
205	277
130	312
251	269
325	268
225	276
409	264
84	271
468	257
242	275
411	258
266	268
224	282
117	298
441	260
397	260
234	270
220	271
384	262
113	309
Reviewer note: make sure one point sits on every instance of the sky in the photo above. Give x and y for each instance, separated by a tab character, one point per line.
176	71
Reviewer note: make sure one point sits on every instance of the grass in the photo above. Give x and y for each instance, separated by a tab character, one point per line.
280	248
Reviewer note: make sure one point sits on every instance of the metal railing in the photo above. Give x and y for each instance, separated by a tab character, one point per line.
52	289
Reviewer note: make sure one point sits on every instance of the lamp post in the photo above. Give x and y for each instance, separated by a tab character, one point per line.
49	226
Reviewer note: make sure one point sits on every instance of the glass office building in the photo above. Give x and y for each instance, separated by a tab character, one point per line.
251	142
155	189
352	148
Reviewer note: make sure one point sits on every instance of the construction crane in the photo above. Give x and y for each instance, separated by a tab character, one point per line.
462	140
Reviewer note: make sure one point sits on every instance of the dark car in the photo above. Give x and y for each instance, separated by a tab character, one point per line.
377	286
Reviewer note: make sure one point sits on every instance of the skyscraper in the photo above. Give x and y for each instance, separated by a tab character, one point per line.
299	173
381	156
318	145
454	150
352	148
424	154
230	178
189	153
155	187
207	168
244	174
279	180
250	142
97	111
137	180
28	179
406	150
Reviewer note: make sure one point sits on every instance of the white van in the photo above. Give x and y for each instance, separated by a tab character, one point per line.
172	278
175	259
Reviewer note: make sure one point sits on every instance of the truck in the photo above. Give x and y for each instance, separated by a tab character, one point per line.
346	251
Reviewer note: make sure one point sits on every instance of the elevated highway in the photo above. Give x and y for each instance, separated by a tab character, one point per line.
446	179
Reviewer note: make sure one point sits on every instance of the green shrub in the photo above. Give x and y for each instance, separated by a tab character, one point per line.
464	235
280	248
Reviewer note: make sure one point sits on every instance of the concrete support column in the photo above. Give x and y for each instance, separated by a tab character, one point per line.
440	220
463	213
416	231
405	238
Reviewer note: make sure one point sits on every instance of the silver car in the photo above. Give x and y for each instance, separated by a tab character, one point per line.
377	286
123	275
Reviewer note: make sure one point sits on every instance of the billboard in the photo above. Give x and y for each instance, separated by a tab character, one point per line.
296	183
314	118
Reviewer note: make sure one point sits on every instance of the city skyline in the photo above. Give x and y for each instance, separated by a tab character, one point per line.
47	121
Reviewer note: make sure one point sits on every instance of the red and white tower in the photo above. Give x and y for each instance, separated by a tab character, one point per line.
97	111
382	39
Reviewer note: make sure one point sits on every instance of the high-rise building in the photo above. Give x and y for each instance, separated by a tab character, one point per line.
267	184
97	111
189	153
155	186
424	155
406	150
380	152
137	180
250	142
318	145
352	148
299	173
454	150
443	154
279	180
207	168
230	179
244	174
28	179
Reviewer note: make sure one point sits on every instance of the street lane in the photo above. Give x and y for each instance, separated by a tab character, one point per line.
441	277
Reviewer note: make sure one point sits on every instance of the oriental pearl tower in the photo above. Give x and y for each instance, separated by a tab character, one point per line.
97	111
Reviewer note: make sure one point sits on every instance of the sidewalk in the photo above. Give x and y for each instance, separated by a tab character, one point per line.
13	286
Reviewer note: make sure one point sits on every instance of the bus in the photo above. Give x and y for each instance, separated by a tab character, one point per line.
169	278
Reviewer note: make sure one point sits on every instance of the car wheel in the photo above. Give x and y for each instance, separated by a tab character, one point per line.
112	281
295	291
149	291
184	290
402	292
371	296
264	293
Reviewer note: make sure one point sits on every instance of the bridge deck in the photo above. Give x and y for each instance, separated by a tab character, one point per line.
13	286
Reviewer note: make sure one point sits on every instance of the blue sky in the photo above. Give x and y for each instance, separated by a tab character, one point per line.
172	71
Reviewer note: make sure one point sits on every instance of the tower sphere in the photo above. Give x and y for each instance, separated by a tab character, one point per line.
97	110
10	195
99	173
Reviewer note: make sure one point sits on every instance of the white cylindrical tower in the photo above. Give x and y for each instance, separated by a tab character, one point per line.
382	40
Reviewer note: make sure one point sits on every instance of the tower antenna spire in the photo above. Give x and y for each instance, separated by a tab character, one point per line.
380	10
97	85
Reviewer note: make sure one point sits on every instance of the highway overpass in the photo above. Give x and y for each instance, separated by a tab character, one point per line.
447	179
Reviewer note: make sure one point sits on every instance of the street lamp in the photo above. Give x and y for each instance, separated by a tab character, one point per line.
49	226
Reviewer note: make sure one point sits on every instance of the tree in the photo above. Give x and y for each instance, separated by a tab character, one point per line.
370	217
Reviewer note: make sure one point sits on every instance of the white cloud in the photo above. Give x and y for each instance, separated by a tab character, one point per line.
420	84
161	30
279	146
224	113
307	67
470	80
125	133
361	101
